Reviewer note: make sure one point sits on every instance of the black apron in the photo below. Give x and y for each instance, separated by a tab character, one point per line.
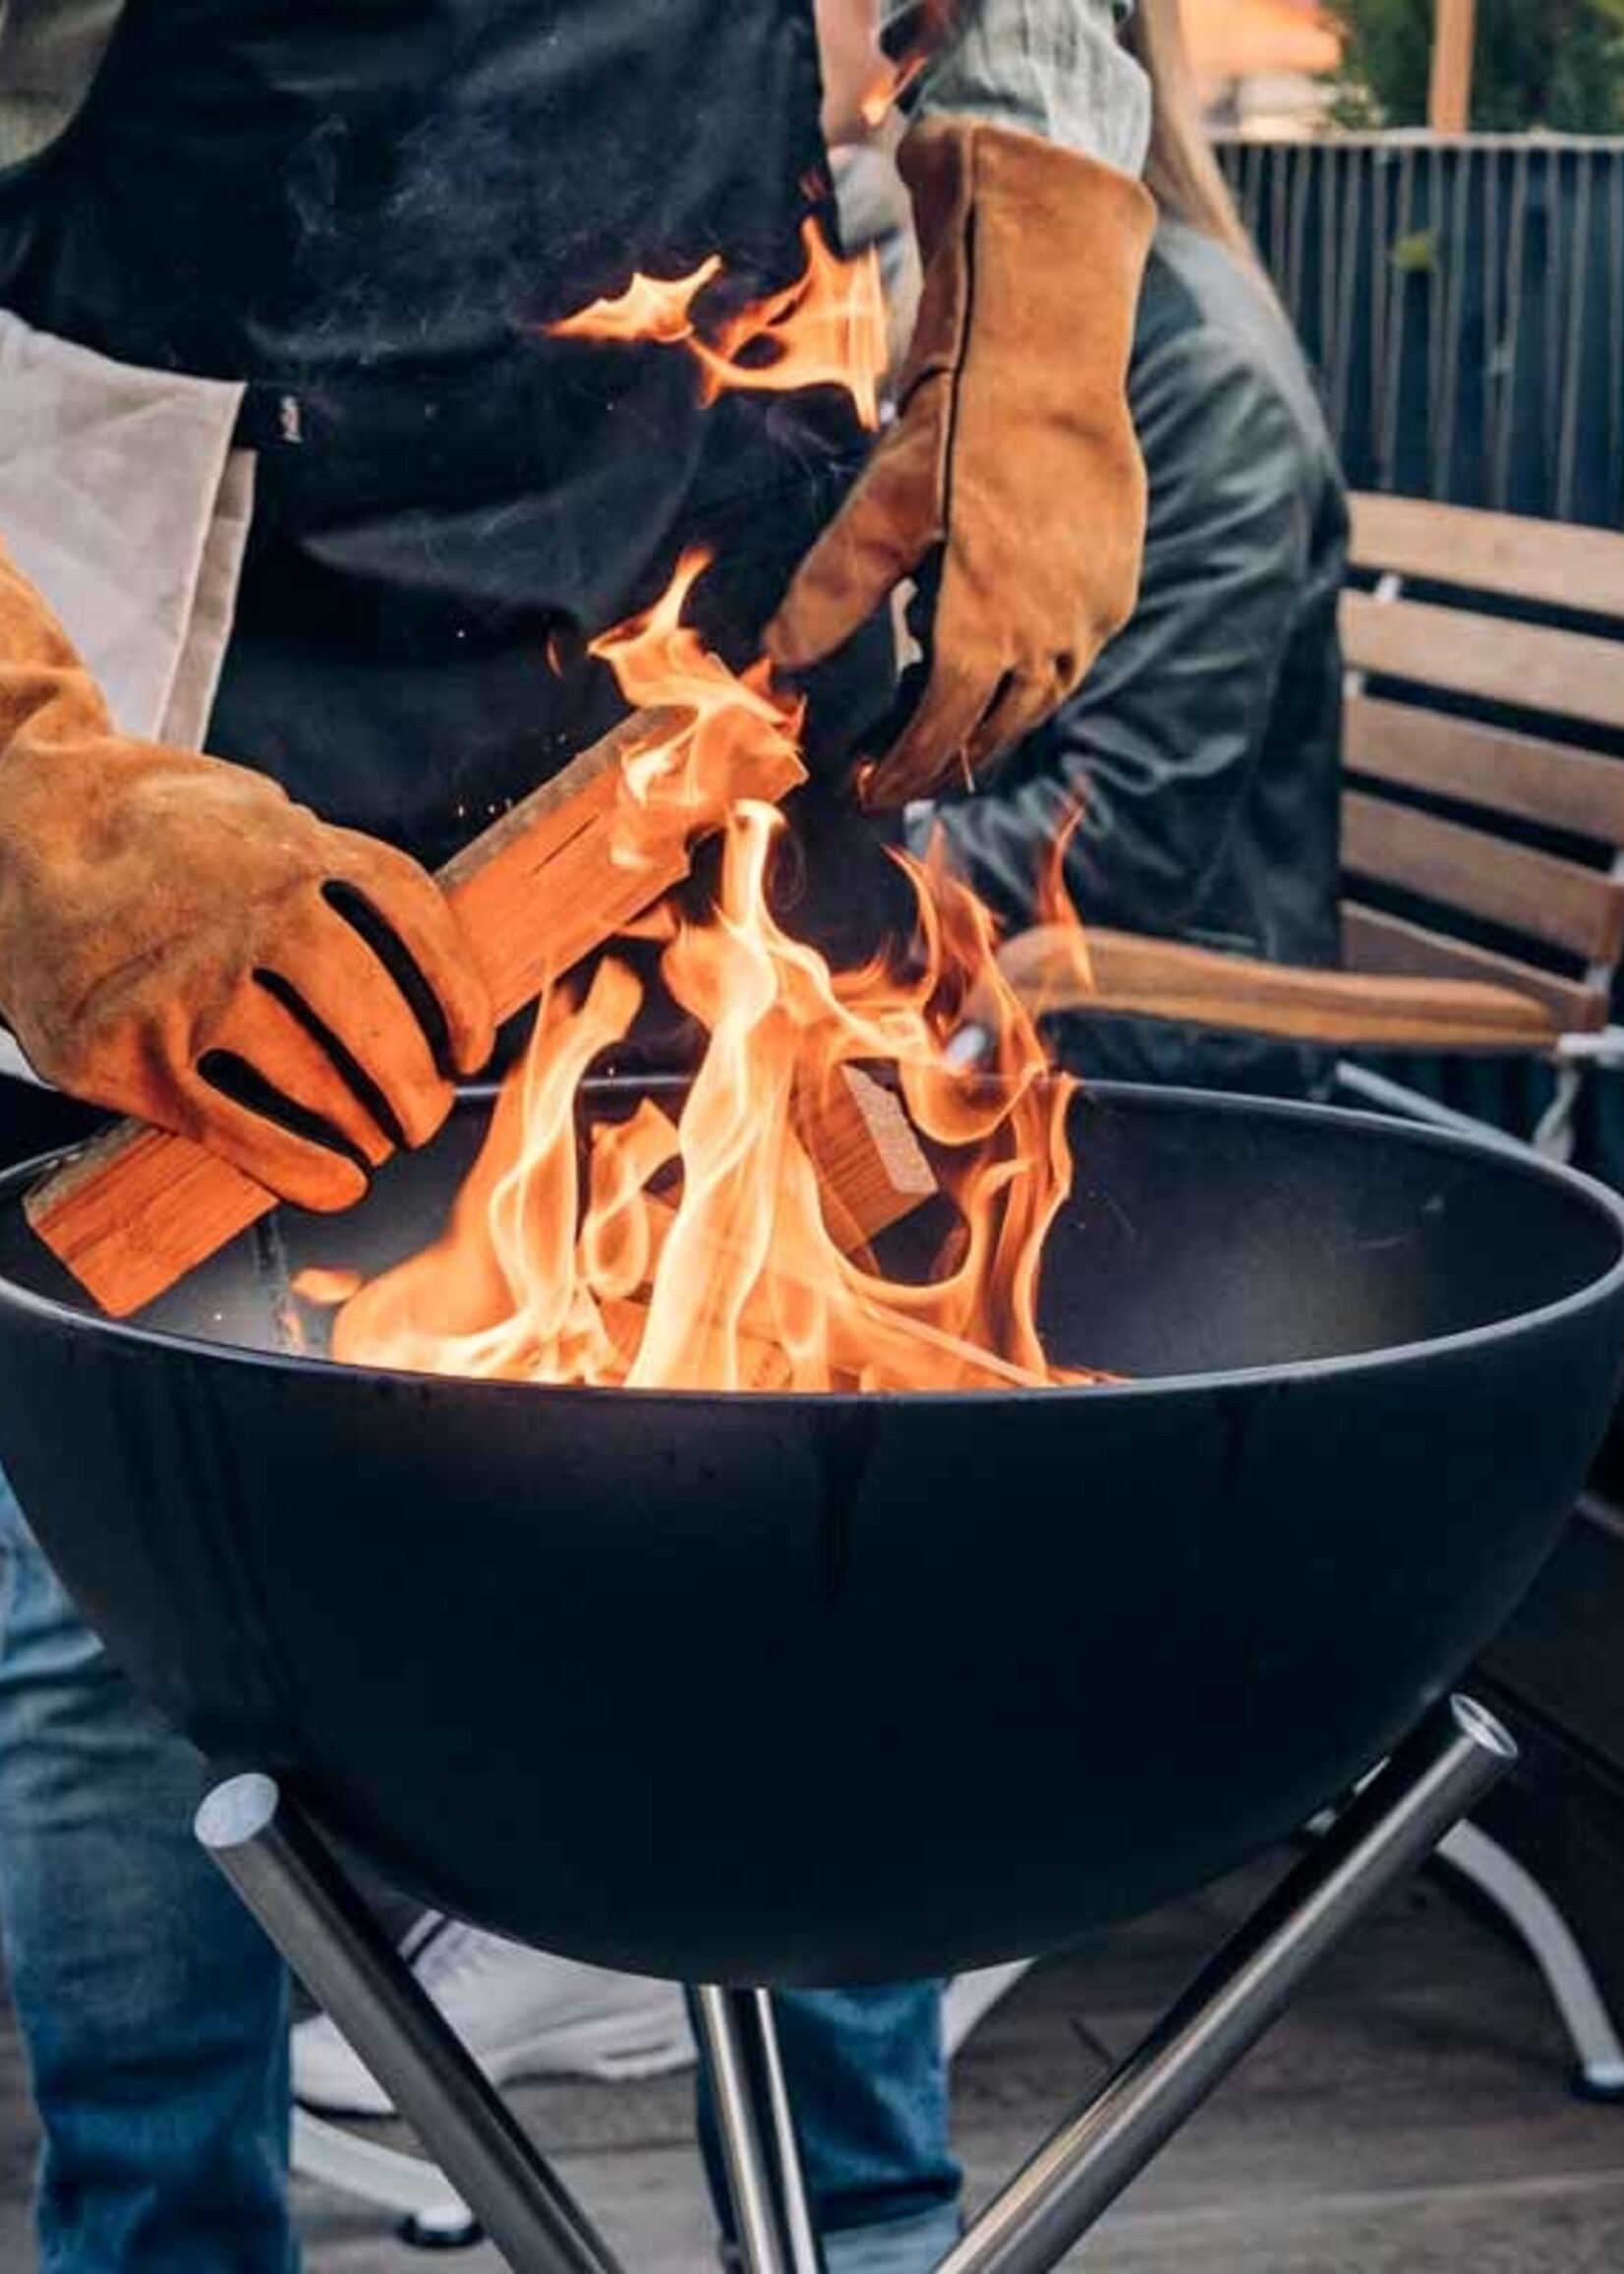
369	210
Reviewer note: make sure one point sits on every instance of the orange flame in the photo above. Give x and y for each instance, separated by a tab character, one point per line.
827	329
652	308
699	1253
733	729
699	1248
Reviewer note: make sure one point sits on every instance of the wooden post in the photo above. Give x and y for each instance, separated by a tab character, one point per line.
1454	42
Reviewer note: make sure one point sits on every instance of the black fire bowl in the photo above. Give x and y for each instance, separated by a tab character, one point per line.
795	1689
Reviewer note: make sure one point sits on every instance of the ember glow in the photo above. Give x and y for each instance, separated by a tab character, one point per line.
733	1234
827	329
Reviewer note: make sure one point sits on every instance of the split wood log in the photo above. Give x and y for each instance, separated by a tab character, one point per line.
872	1170
538	890
535	892
1104	973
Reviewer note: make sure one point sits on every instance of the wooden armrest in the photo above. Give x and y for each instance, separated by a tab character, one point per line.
1106	975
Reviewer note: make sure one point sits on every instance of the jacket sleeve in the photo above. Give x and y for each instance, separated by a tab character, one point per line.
1157	744
1051	68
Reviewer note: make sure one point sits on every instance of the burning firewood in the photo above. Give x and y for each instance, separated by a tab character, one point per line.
721	1253
751	1357
536	892
873	1173
140	1207
589	853
873	1170
739	1252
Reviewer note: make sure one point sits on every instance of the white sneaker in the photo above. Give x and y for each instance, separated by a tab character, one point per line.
969	1998
905	2247
519	2013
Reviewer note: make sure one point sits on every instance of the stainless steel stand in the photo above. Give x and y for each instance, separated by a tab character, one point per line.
309	1909
299	1896
757	2122
1393	1826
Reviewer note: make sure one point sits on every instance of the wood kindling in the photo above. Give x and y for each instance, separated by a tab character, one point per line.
763	1364
872	1170
542	887
882	1169
534	893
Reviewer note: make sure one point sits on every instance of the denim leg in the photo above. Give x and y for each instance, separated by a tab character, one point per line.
866	2070
154	2012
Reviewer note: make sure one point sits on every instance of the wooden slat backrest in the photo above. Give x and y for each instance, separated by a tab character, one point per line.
1569	674
1476	870
1539	562
1548	782
1577	909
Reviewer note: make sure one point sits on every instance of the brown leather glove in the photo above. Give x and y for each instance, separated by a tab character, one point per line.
1013	458
181	942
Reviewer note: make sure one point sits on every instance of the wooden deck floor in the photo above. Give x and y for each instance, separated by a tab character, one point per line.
1411	2117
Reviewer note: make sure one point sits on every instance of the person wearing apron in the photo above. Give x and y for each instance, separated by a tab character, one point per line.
320	495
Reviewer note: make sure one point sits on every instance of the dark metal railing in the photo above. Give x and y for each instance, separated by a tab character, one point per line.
1464	302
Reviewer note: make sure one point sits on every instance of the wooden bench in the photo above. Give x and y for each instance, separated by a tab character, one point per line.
1483	820
1482	886
1475	784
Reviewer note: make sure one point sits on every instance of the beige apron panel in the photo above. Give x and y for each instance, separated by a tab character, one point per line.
213	607
50	52
123	499
115	499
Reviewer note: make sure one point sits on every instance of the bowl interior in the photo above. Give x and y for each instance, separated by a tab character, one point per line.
1202	1235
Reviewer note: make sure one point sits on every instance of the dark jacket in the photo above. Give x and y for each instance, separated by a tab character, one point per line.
1205	747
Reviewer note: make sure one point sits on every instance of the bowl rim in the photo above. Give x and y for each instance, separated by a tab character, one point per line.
1502	1151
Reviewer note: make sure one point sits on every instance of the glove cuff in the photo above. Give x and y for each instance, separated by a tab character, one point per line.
1004	215
48	697
1077	202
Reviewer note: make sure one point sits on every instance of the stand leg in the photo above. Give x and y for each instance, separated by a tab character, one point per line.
431	2215
1520	1899
758	2145
308	1909
1393	1826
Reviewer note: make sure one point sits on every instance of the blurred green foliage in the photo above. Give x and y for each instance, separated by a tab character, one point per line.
1557	64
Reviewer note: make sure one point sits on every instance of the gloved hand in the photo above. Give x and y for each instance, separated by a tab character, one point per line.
1012	465
181	942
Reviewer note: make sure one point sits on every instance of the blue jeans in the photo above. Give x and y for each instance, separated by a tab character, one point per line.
870	2086
156	2013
